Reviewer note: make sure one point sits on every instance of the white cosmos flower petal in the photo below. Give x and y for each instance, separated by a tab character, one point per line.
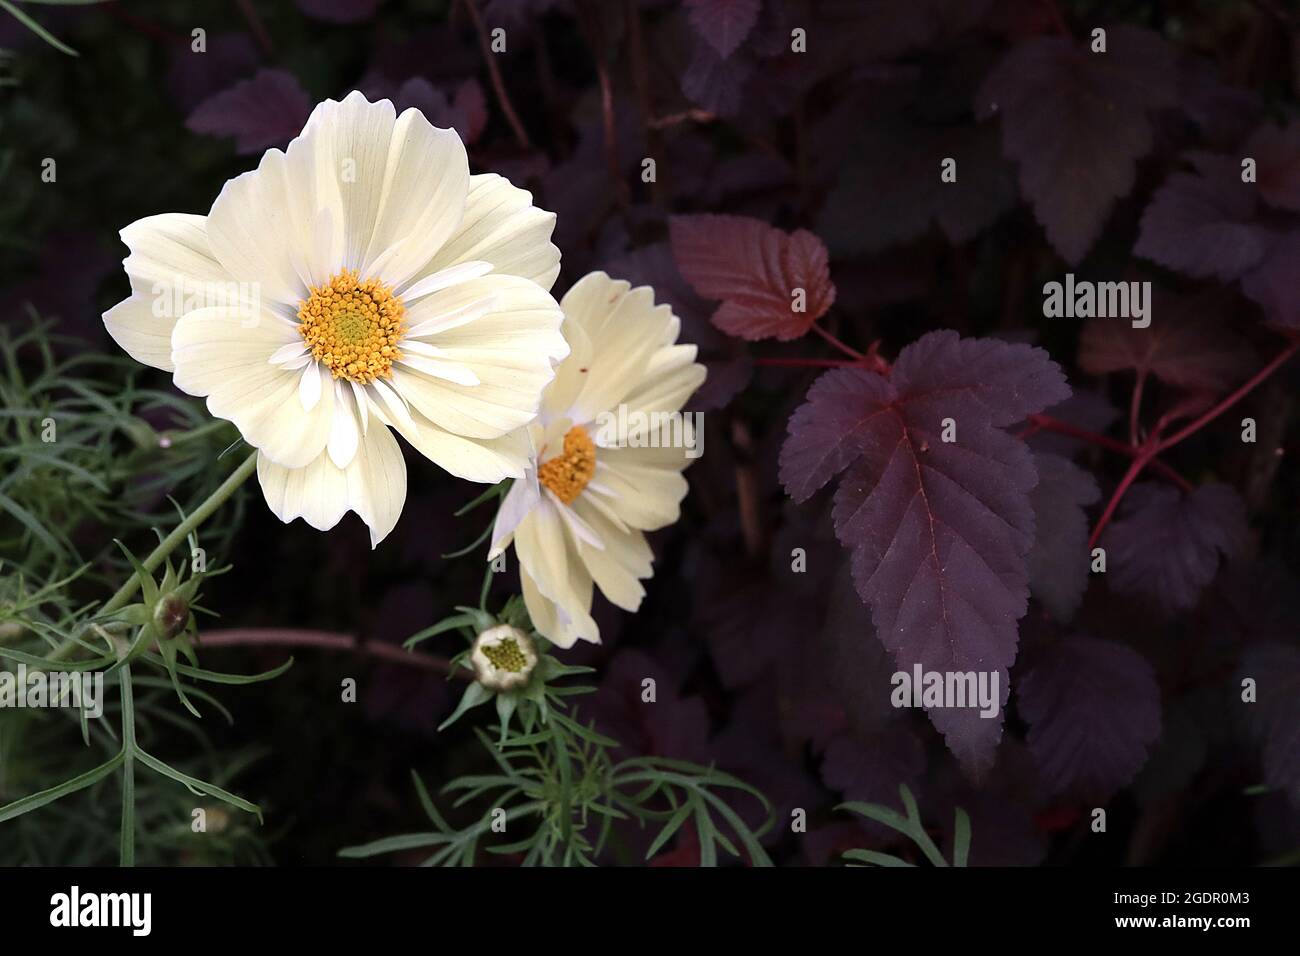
309	386
587	526
171	266
373	486
503	227
510	350
222	353
248	307
345	434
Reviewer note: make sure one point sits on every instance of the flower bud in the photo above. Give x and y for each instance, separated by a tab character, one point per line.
503	657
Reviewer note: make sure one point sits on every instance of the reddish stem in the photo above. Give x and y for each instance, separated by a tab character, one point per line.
256	26
1255	380
850	352
498	84
1154	445
1147	453
1047	423
326	640
808	363
1135	407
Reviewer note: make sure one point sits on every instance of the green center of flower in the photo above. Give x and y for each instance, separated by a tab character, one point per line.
506	656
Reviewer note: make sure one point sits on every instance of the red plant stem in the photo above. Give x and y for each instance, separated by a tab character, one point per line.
1135	406
1255	380
1047	423
610	135
851	352
686	116
1145	455
809	363
498	84
326	640
255	25
1155	444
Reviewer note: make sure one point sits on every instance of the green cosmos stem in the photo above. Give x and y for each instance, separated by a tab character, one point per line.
182	531
117	601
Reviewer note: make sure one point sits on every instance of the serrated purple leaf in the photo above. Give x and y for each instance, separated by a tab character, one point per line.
1166	546
1077	122
1093	709
1058	563
268	110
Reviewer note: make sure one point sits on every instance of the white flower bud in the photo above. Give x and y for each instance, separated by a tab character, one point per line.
503	657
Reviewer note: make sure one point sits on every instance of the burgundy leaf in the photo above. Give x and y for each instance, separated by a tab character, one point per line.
1204	224
193	76
1093	709
1166	545
717	84
890	192
1276	151
939	531
1058	563
723	23
755	269
1189	346
1077	122
1274	717
838	423
1272	284
466	112
268	110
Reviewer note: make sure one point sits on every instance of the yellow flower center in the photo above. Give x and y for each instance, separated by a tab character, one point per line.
568	474
506	656
353	327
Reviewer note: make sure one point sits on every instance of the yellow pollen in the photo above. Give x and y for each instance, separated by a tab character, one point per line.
506	656
568	474
353	327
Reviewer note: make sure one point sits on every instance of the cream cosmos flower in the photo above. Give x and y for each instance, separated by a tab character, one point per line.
579	517
360	280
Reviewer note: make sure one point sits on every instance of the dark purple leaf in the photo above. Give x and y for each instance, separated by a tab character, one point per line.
1274	717
940	531
1093	709
1276	151
717	84
1188	345
268	110
723	23
1166	545
1204	224
1058	563
756	270
890	191
1077	122
1273	283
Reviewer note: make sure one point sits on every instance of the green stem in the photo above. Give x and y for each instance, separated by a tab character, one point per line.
182	531
127	857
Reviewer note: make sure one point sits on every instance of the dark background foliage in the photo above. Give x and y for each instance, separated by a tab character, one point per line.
1116	166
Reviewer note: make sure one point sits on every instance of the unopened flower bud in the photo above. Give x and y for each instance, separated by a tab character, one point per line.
170	616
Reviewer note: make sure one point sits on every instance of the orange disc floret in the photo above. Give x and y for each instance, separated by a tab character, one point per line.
567	474
353	327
